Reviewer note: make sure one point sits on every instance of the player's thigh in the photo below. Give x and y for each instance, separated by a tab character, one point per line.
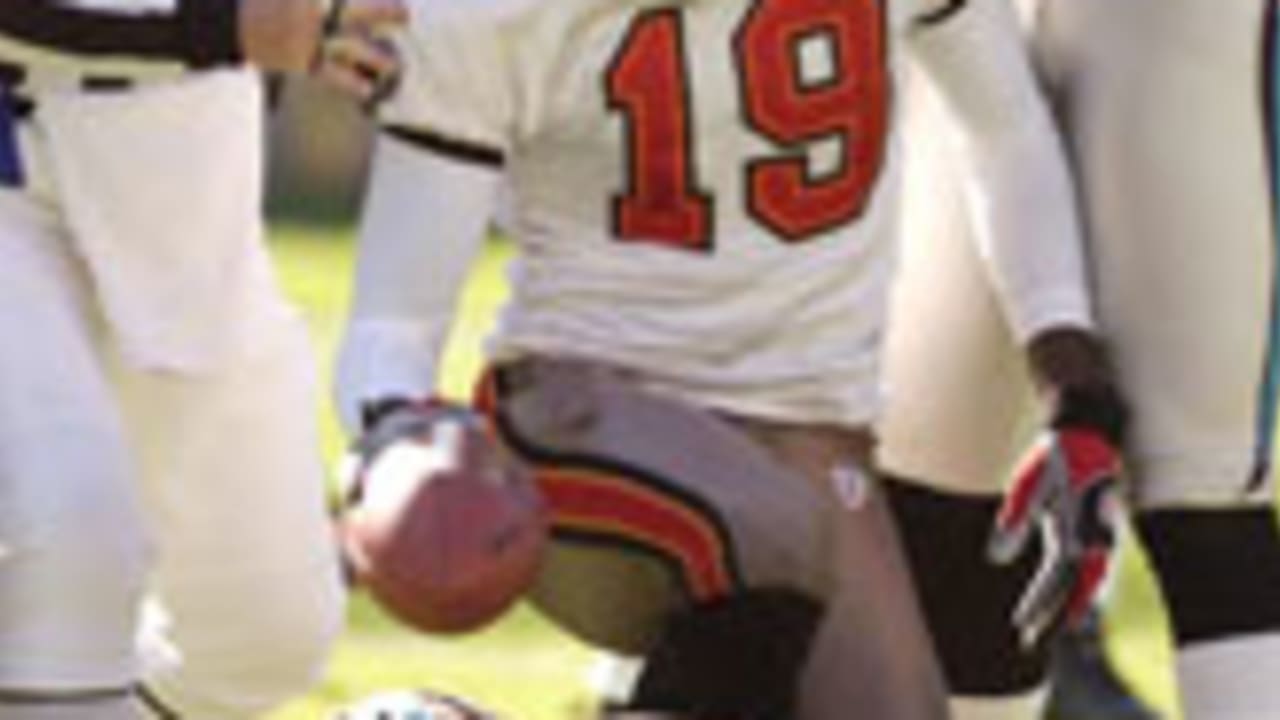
656	505
1162	104
72	547
957	386
872	650
235	486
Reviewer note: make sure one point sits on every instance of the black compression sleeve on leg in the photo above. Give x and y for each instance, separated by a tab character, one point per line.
739	657
967	599
1219	570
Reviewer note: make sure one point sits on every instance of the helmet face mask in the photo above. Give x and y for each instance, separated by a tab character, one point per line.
412	705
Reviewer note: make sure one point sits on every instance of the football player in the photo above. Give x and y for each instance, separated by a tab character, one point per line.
1169	109
703	200
156	393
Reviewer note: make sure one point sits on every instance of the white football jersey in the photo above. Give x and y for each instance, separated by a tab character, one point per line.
703	191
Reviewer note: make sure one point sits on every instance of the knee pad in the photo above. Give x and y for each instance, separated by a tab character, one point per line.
739	657
967	599
1219	570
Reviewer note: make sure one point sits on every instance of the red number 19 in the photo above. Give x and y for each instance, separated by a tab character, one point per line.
648	84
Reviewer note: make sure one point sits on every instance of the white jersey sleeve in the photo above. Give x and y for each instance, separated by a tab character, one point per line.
116	38
1020	189
437	170
456	90
423	223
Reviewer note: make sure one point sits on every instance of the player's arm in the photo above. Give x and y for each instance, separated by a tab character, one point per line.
424	221
1019	188
136	39
1018	185
426	213
438	164
1026	213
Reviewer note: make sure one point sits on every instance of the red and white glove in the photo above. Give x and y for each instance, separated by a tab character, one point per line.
1068	487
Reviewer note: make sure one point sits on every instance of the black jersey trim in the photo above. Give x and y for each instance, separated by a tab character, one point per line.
212	30
200	33
451	148
942	14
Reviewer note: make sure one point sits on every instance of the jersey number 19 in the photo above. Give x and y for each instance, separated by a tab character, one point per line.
648	83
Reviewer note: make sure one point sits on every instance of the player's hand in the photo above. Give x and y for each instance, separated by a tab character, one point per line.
1067	486
362	65
395	431
291	35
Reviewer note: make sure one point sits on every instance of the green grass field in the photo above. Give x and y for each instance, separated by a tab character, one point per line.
522	667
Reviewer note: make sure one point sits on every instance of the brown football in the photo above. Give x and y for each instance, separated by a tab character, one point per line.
447	531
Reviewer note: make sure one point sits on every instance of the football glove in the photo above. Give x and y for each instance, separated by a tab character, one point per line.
1067	487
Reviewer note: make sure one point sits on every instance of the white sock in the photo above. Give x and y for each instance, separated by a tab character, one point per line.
1025	706
1231	679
